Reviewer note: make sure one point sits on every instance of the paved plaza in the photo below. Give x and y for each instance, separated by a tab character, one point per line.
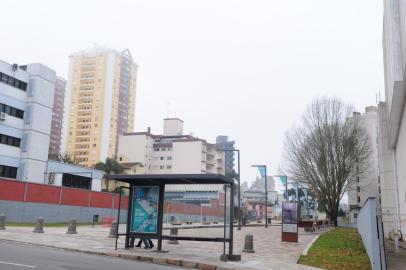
270	253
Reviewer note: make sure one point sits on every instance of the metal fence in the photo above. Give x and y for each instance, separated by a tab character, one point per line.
371	230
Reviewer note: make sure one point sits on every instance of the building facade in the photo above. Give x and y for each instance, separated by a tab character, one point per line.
170	153
100	103
223	143
392	120
57	116
366	183
26	100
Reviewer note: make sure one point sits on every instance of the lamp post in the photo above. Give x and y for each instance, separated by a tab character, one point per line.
238	182
266	191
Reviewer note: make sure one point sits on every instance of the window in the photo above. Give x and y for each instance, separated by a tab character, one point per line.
358	189
163	149
156	149
76	181
11	111
169	167
9	140
169	158
162	158
13	82
162	167
8	172
359	199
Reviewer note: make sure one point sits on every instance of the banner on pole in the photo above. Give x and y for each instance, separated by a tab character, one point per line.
261	170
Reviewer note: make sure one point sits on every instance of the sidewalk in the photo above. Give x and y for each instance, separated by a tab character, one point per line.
395	261
270	253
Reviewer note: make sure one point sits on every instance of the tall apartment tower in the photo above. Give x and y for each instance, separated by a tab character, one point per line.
57	116
100	103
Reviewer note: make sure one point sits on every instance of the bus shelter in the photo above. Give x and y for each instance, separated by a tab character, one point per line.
145	209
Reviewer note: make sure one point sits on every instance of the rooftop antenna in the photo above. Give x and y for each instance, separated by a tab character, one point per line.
168	110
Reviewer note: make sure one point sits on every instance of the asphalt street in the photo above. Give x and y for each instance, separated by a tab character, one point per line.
26	257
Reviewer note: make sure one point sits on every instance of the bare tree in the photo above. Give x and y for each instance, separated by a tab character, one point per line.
327	151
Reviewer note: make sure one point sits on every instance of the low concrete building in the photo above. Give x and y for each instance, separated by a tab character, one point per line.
69	175
170	153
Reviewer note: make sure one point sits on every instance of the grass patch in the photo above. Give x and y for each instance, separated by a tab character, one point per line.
341	248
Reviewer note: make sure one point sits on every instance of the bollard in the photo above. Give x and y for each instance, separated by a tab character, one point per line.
2	221
113	229
39	226
173	232
249	244
72	227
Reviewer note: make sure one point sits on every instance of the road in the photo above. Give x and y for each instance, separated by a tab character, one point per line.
26	257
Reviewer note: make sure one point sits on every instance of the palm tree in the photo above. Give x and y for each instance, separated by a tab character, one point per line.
109	166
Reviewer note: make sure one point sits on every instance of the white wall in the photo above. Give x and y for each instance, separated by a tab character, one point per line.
386	171
401	172
32	171
133	148
187	157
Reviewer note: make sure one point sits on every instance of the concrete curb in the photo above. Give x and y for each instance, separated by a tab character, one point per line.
216	226
306	250
141	258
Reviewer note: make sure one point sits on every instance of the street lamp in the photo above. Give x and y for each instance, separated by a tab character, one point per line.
238	181
266	191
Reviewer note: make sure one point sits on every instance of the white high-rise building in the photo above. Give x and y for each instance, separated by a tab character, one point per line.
366	183
169	153
26	100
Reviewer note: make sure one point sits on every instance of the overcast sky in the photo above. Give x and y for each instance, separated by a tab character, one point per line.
246	69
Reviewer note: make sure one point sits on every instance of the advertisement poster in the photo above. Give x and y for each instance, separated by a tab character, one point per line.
290	222
145	210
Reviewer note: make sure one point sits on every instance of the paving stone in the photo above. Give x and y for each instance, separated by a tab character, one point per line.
204	266
129	256
225	268
189	264
145	258
174	261
159	260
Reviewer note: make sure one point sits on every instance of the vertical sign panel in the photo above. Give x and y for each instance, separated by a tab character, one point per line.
144	217
290	216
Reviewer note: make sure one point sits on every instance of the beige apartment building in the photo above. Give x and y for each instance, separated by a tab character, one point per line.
100	103
170	153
